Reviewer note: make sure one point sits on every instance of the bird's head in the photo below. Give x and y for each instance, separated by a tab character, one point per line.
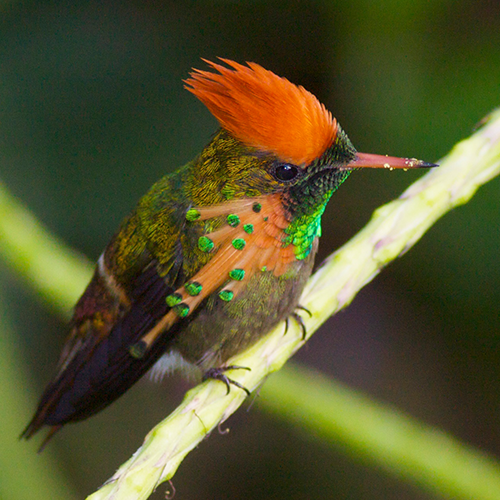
275	137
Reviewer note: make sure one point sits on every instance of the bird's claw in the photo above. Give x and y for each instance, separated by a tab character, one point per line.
298	318
219	374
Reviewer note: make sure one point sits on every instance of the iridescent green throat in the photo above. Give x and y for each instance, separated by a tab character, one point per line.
304	229
307	202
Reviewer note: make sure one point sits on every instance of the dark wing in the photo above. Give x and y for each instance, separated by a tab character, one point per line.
99	368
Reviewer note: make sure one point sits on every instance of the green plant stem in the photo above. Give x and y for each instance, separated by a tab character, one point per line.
380	434
393	229
23	473
57	273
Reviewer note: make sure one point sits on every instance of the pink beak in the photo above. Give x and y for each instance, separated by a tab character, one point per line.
365	160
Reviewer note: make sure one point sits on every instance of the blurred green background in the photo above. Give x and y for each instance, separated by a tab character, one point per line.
93	111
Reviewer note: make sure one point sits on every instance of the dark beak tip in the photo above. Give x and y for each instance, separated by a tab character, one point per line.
426	164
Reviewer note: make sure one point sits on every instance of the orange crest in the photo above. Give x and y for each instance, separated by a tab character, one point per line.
265	111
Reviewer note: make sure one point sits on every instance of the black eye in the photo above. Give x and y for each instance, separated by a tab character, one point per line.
285	172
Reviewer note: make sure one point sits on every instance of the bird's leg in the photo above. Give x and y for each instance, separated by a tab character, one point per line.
219	374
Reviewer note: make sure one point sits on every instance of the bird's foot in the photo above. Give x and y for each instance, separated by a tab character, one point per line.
298	318
220	374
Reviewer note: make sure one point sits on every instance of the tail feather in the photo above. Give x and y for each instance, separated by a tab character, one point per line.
103	369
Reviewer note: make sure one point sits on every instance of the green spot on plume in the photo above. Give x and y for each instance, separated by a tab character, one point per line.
233	220
138	350
192	215
226	295
248	228
173	299
239	243
193	288
182	310
257	207
237	274
205	244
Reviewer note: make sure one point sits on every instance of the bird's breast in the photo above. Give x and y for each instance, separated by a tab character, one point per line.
253	280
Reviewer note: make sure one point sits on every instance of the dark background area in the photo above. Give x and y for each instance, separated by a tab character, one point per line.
93	111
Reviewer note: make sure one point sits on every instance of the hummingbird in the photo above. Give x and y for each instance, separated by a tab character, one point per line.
216	253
